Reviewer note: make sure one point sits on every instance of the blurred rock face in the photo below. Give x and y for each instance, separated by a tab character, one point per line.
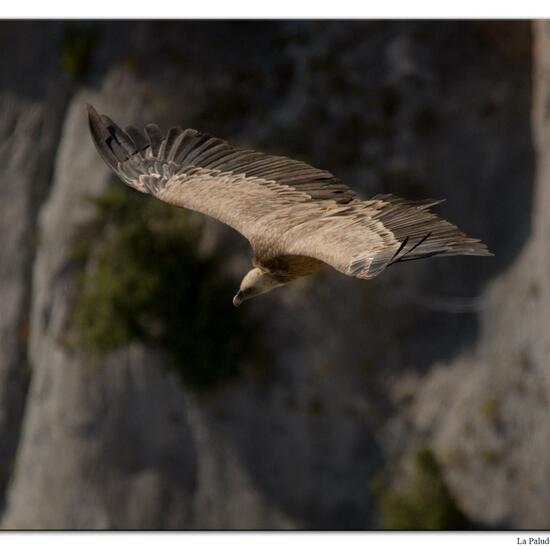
494	427
31	107
444	354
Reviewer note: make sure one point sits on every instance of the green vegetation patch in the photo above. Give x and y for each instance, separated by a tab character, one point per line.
143	280
75	50
426	502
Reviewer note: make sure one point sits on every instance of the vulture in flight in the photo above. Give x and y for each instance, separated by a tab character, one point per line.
297	218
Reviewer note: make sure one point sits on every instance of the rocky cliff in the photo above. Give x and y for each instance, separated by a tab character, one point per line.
353	379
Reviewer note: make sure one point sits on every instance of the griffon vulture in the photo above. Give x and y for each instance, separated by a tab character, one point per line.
298	219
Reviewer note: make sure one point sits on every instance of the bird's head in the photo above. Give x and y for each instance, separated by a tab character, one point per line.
254	283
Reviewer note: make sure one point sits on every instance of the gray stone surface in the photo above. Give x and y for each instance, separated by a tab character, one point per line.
446	353
110	445
486	412
31	110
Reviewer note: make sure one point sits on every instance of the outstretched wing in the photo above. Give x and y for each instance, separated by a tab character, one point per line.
364	237
194	170
284	207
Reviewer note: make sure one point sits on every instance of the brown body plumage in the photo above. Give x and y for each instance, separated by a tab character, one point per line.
287	268
297	218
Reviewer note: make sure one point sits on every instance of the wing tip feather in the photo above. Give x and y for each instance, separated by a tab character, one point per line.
100	133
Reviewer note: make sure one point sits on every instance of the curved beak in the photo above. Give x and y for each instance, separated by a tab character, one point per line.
238	299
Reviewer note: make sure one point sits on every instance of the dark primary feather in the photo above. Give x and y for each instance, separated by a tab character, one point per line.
421	232
418	232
